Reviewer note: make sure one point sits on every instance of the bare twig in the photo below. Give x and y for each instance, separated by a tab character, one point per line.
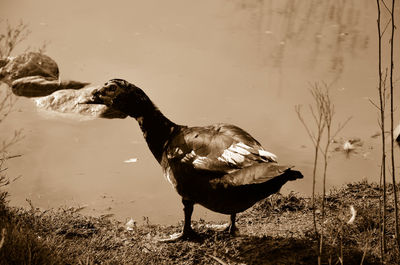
340	127
3	237
386	7
328	111
322	117
14	139
385	28
316	139
9	157
392	129
220	261
382	91
12	37
374	104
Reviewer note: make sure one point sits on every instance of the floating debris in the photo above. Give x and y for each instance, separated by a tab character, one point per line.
348	146
108	215
132	160
375	135
365	155
396	134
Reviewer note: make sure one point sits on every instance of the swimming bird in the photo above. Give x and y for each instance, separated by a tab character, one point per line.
221	166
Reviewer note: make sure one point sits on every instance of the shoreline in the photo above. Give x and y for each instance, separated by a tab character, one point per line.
277	230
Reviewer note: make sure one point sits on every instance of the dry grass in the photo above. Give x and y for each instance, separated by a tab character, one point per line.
278	230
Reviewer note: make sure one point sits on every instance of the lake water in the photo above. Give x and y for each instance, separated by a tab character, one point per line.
242	62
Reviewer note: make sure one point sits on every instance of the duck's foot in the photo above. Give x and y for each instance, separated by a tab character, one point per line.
227	228
232	230
186	235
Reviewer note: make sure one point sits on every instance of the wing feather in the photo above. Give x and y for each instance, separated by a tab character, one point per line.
219	148
258	173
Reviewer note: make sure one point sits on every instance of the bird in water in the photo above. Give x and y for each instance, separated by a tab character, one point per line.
221	166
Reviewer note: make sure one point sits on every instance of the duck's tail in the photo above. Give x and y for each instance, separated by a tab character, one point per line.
260	173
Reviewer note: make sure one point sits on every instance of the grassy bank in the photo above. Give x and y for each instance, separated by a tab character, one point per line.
278	230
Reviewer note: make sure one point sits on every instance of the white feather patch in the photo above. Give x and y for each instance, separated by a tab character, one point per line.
200	160
239	149
178	151
267	155
167	175
232	157
245	146
174	153
235	153
188	157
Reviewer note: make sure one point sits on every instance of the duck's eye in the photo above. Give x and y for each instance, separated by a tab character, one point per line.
112	87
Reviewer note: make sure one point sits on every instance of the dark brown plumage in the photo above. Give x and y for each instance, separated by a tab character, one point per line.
220	166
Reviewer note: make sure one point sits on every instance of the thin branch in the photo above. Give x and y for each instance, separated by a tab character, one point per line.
382	92
386	7
310	134
386	26
392	128
373	104
13	36
340	127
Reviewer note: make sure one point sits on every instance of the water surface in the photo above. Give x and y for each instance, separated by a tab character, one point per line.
242	62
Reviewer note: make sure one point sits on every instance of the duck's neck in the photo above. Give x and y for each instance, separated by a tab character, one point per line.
156	129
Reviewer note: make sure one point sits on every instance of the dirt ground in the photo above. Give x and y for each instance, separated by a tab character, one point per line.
277	230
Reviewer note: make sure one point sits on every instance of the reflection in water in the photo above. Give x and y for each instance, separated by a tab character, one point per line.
323	29
333	27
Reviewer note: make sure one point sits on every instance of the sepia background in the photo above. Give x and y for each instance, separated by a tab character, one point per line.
242	62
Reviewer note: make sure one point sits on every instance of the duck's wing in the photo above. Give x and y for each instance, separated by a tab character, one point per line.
220	148
259	173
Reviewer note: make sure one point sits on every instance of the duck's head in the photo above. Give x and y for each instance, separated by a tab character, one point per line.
123	97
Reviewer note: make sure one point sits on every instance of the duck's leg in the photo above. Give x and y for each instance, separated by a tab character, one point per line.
187	233
232	229
232	226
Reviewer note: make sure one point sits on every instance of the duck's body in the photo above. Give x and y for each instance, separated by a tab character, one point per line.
221	166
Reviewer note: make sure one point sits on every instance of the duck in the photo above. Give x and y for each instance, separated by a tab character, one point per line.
220	166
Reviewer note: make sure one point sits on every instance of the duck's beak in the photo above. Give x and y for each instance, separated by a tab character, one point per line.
98	97
93	100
